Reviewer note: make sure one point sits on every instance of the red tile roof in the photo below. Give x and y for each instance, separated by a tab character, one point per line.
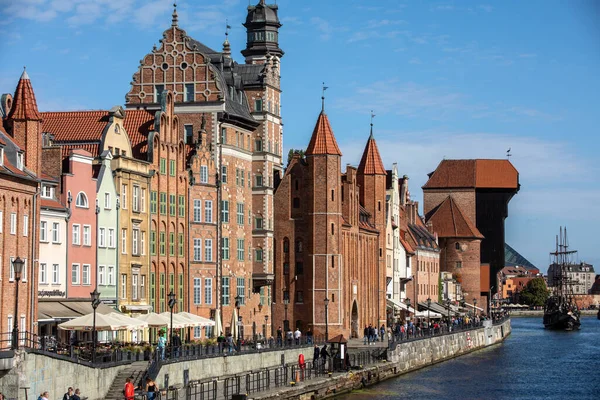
24	105
138	123
407	247
500	174
92	148
449	221
51	203
322	140
75	126
370	163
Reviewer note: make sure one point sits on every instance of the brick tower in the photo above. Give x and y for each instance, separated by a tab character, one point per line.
324	209
371	177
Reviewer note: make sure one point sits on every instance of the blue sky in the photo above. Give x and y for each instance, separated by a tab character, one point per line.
453	79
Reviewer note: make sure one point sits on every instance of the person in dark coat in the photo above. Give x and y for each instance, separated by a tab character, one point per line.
176	343
324	353
316	354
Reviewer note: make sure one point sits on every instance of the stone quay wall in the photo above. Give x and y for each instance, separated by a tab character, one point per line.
39	373
406	357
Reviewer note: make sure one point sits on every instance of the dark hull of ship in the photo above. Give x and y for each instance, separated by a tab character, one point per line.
598	314
561	321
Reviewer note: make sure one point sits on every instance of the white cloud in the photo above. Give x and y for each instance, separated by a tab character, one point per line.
323	26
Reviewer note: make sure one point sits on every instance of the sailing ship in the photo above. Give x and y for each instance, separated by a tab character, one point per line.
560	310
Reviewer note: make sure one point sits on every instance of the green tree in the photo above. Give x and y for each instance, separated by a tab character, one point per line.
291	154
535	292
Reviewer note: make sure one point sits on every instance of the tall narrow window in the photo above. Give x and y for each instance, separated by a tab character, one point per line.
43	229
124	196
225	211
208	212
76	234
172	167
225	288
181	206
123	286
258	105
225	248
43	273
240	249
158	89
172	243
107	201
197	249
163	203
189	92
25	225
189	133
102	237
135	249
241	290
75	274
123	241
197	290
224	135
134	286
87	235
203	174
54	274
111	238
153	243
143	242
13	223
142	287
135	198
111	275
240	213
153	199
207	290
163	247
172	205
208	252
163	166
197	210
85	274
180	243
224	174
101	272
143	200
55	232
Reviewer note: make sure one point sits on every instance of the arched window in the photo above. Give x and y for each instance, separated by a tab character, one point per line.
81	200
457	246
299	247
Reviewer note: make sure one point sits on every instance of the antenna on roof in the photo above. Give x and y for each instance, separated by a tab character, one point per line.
323	97
508	155
372	116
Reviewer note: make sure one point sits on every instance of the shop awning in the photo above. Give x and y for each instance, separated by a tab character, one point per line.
398	304
137	307
67	309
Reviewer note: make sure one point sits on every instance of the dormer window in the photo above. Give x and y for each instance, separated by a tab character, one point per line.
20	161
47	192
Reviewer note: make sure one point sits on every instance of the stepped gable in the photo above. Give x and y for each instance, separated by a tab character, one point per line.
24	106
448	220
322	140
370	163
479	174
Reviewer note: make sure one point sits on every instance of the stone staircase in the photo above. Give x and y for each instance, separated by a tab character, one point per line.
136	369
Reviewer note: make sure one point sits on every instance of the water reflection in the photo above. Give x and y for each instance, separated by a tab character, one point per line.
533	363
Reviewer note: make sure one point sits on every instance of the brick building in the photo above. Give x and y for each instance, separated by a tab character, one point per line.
20	171
478	193
329	244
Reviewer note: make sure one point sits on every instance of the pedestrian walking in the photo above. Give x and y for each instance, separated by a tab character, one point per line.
151	389
77	395
324	353
316	354
69	394
366	334
279	336
160	348
309	336
176	343
289	336
382	332
297	336
129	390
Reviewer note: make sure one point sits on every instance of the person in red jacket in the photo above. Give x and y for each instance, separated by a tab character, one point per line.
129	390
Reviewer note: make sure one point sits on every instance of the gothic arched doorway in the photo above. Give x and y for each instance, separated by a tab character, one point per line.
354	327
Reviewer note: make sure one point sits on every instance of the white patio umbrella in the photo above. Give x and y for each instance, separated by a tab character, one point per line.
234	324
218	324
104	322
198	319
132	323
154	320
179	321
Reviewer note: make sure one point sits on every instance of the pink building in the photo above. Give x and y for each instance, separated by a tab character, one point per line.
79	193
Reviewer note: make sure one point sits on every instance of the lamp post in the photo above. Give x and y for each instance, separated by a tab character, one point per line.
448	305
285	321
171	306
407	301
238	300
95	296
18	269
474	305
428	314
266	323
326	318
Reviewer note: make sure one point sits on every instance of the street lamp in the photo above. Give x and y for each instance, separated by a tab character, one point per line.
171	306
448	305
474	306
266	323
326	318
285	322
95	296
18	268
238	302
428	314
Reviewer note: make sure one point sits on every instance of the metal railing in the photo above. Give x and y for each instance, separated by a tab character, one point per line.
417	332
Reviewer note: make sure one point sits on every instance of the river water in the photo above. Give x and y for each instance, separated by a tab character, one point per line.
532	363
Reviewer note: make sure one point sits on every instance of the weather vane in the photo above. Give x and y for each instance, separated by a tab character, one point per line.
323	97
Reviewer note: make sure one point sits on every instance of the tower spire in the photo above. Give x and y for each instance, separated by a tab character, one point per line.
372	116
226	45
323	97
174	20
